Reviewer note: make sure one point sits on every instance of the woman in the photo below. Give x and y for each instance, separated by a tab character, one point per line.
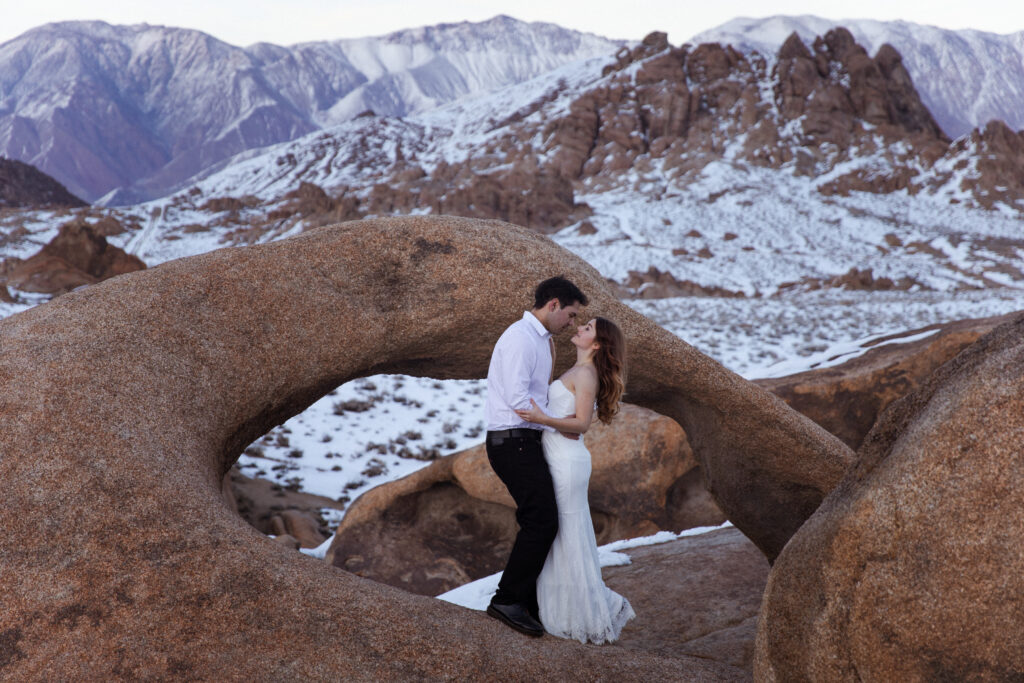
574	602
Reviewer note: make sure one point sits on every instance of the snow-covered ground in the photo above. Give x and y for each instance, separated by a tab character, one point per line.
367	432
756	231
776	336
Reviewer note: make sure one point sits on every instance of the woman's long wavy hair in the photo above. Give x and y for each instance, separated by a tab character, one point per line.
610	362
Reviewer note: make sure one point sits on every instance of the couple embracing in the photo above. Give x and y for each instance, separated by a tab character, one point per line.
553	578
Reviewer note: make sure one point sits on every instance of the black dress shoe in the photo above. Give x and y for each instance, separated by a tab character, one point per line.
517	617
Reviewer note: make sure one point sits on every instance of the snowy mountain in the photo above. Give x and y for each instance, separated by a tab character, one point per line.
965	77
674	171
139	109
755	193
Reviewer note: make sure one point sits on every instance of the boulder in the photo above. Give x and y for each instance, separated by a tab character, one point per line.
698	595
299	525
108	226
454	521
48	274
268	507
911	569
126	403
523	194
77	256
847	399
287	541
656	284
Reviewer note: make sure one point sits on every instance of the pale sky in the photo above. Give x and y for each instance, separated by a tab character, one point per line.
285	22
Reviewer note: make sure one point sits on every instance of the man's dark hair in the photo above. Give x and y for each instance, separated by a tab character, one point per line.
558	288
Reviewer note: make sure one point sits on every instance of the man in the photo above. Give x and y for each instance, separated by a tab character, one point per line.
520	369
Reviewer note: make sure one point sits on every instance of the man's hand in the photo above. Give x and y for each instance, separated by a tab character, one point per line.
570	435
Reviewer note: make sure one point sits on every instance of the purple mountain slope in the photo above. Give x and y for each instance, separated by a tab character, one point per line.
133	111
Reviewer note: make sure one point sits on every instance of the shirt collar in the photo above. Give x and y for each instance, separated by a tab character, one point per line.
536	324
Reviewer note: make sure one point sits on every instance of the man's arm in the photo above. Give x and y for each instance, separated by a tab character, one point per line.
515	365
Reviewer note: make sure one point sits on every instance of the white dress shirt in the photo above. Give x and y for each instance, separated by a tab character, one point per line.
520	370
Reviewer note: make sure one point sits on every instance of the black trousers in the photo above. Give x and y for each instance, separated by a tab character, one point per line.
519	463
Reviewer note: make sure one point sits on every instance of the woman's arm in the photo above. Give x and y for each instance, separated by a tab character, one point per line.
586	391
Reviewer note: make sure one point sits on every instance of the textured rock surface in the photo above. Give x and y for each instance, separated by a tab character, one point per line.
698	595
299	525
125	403
454	520
912	567
847	399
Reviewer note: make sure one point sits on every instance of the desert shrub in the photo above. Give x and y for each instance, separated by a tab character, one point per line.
352	406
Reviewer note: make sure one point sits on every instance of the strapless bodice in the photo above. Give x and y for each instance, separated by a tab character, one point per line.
561	401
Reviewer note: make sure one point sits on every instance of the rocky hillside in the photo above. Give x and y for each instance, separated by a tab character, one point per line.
674	170
139	109
24	186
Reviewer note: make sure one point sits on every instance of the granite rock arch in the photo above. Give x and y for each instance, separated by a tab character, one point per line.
125	403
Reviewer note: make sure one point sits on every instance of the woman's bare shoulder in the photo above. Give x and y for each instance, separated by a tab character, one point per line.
580	377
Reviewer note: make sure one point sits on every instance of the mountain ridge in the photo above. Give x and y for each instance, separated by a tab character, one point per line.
139	108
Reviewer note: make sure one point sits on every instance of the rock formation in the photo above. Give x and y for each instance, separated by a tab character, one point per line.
684	105
1000	162
671	111
125	403
522	193
78	255
911	569
847	399
454	521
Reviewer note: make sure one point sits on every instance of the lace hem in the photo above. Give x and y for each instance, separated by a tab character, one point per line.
610	633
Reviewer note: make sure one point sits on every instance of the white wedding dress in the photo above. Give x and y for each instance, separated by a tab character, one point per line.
573	600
